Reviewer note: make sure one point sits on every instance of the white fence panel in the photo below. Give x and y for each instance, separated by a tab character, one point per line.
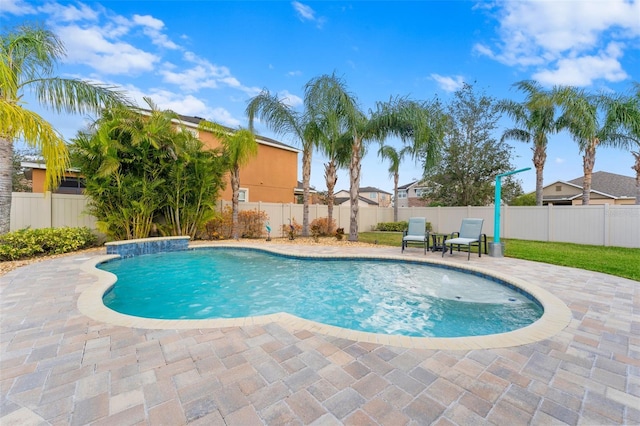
578	224
608	225
623	226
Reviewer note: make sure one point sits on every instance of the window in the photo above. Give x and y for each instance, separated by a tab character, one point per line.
71	185
402	194
243	195
383	197
558	188
419	192
373	195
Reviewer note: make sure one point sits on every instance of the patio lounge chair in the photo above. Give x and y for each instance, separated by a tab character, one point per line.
416	233
469	235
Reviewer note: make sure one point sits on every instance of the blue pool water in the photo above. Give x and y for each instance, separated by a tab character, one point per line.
391	297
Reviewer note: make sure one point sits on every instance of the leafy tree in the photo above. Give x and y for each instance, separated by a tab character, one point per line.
535	120
524	200
240	147
19	181
29	56
588	118
472	157
282	119
140	167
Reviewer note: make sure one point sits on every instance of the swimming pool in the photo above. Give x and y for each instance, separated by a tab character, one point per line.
372	295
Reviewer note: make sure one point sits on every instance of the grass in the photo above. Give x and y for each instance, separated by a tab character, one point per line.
619	261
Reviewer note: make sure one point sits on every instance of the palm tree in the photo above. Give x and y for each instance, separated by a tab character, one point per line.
624	114
29	56
398	117
587	117
535	118
395	158
240	147
282	119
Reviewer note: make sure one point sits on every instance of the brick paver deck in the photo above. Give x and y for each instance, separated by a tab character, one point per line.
59	366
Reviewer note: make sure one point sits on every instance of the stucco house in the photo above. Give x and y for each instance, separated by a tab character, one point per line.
367	196
409	195
606	188
272	176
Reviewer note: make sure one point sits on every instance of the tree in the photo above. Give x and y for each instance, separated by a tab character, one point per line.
535	120
398	117
472	158
588	117
394	156
624	116
240	147
281	119
143	167
20	183
29	56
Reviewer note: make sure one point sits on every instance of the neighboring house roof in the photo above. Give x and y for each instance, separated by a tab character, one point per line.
616	186
42	166
372	189
342	200
603	183
299	189
415	183
195	121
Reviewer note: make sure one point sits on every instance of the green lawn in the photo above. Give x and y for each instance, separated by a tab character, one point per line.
622	262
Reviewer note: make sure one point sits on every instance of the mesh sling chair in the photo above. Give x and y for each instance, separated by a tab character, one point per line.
469	235
416	233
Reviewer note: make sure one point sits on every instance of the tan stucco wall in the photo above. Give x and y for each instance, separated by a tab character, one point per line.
270	177
38	176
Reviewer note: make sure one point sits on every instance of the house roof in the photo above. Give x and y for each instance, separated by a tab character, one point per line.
299	189
412	184
195	121
603	183
372	189
341	200
617	186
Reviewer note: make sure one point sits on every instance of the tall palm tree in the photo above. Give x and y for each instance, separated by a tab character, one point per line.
397	117
624	114
535	120
29	56
586	117
395	158
240	147
282	119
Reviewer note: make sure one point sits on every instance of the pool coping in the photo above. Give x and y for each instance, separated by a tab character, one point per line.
556	316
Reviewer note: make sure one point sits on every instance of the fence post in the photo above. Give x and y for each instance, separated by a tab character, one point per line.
550	222
605	223
48	209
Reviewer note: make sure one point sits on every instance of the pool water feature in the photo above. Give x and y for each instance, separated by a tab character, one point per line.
379	296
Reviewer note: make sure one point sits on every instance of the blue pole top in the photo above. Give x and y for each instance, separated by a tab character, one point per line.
512	172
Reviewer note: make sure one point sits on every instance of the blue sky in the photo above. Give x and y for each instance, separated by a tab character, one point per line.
207	58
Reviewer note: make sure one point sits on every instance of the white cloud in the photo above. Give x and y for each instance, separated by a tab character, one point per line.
89	47
294	73
449	84
289	98
306	13
203	75
71	13
152	28
582	71
541	34
16	7
559	160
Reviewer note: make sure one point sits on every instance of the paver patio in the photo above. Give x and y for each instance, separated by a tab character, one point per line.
59	366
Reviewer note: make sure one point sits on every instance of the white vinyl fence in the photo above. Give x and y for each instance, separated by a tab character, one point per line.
607	225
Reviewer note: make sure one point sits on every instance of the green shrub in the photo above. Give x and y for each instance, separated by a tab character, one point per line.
398	226
251	224
34	242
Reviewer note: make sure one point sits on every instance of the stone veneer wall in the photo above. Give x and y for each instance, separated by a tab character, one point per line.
130	248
